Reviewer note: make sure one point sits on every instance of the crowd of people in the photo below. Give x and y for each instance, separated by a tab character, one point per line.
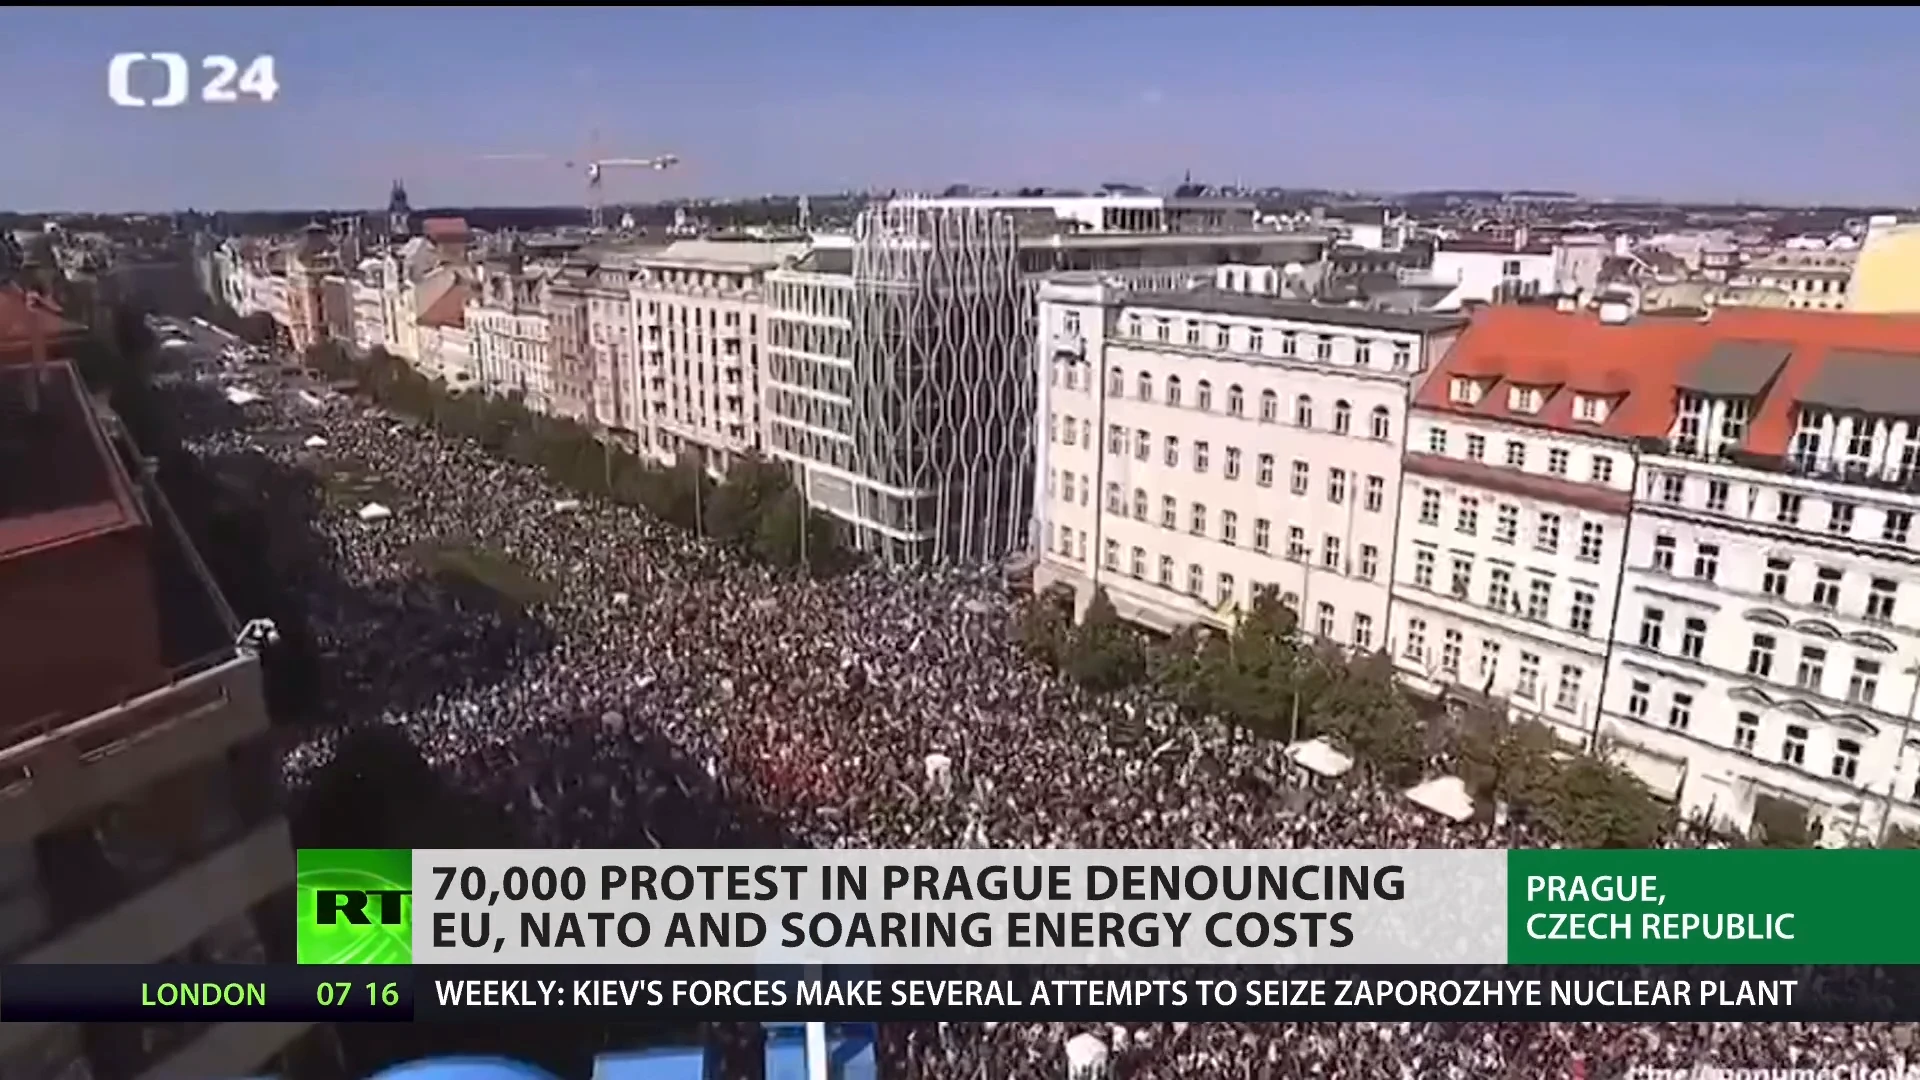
663	692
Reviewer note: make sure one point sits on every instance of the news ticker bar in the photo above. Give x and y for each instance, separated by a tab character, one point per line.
1119	994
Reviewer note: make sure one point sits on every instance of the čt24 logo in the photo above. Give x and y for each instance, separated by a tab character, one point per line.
223	80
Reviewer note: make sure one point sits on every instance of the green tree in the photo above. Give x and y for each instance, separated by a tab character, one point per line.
1504	760
1780	823
1043	624
752	486
1102	653
1597	804
778	538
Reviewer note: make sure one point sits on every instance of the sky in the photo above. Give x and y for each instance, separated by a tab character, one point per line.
1759	103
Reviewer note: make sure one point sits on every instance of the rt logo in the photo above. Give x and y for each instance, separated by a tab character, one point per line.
355	906
223	83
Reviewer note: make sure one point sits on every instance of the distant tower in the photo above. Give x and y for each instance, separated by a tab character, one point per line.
399	214
806	213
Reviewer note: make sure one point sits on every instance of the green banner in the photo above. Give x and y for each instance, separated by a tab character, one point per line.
1712	907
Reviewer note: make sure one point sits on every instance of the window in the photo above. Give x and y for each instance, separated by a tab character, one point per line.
1173	389
1500	590
1303	411
1362	630
1581	615
1337	486
1489	660
1663	549
1369	561
1193	333
1846	759
1113	499
1296	543
1417	639
1137	565
1376	496
1323	348
1464	391
1066	487
1567	698
1686	432
1111	554
1223	589
1236	401
1423	568
1142	445
1787	508
1233	463
1381	424
1896	526
1793	748
1166	571
1330	553
1826	588
1196	579
1202	456
1429	506
1467	521
1557	461
1733	422
1264	471
1323	620
1476	448
1880	594
1651	622
1717	496
1587	409
1638	699
1546	534
1774	581
1864	683
1706	561
1402	356
1517	454
1139	504
1362	351
1257	340
1760	656
1680	714
1163	330
1262	534
1840	518
1197	519
1450	654
1222	337
1602	471
1812	669
1528	685
1203	396
1539	598
1437	440
1301	474
1171	454
1269	406
1169	512
1693	638
1144	387
1673	488
1342	418
1072	430
1746	732
1116	382
1229	527
1506	523
1462	576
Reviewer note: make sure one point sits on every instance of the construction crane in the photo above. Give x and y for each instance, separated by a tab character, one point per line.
595	168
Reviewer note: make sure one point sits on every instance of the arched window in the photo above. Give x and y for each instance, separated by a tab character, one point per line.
1303	411
1116	382
1203	396
1342	418
1382	423
1269	407
1173	389
1236	401
1146	387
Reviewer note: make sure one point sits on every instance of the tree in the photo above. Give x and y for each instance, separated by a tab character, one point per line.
1597	804
1780	823
1043	624
752	487
1103	653
1500	759
789	533
1360	704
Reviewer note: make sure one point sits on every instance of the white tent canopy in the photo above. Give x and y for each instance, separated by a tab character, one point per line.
238	396
1086	1057
374	512
1444	795
314	442
1318	755
565	506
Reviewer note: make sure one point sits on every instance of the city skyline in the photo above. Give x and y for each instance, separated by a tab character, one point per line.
835	99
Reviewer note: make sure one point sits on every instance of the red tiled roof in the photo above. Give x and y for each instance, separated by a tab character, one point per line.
1638	365
444	228
450	310
18	319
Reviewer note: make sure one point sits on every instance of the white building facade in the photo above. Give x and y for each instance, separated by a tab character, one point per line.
1511	533
1196	447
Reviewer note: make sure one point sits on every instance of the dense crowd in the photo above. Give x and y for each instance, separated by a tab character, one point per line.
664	693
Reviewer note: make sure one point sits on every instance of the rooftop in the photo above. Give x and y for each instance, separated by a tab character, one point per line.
19	320
59	481
1216	302
1778	358
449	309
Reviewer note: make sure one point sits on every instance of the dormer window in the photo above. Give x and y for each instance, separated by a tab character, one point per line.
1524	399
1464	391
1588	409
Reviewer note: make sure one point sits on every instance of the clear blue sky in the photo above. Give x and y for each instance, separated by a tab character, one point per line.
1766	103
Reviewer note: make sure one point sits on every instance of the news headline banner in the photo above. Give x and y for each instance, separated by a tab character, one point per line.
1052	907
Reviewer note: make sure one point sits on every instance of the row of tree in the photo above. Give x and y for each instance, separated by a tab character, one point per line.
1268	677
756	508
